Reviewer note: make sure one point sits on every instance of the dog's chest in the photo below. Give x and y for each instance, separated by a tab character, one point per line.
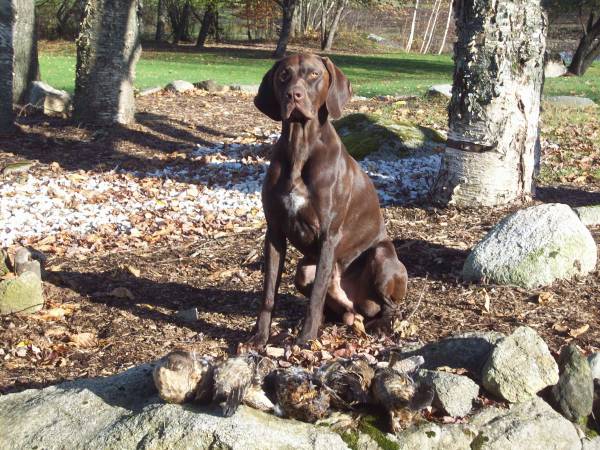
294	201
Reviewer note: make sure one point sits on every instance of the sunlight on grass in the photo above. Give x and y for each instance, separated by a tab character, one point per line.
382	74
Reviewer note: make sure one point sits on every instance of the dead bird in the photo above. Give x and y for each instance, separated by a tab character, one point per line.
299	395
233	377
255	396
183	376
394	389
348	382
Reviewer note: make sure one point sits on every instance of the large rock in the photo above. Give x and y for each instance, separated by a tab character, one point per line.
124	412
50	100
531	425
247	88
431	436
22	294
589	215
555	68
590	444
179	86
464	351
440	90
520	366
533	247
453	394
594	361
573	395
211	86
364	134
571	101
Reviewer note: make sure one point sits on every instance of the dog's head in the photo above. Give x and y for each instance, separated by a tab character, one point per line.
303	87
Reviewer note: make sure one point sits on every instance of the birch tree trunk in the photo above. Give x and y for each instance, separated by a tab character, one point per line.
18	56
412	27
108	48
332	29
435	19
493	137
446	29
426	35
161	20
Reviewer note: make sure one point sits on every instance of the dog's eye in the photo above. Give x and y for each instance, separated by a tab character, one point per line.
284	75
314	75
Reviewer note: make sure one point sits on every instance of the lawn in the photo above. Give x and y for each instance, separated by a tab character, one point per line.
391	73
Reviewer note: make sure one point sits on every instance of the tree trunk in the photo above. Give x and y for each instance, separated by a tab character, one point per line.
108	48
412	27
426	35
160	21
208	20
18	56
287	8
446	29
494	112
330	33
435	19
588	49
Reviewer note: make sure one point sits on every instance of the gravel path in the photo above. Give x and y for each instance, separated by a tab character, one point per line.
221	185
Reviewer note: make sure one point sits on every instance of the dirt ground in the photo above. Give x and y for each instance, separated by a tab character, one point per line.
88	329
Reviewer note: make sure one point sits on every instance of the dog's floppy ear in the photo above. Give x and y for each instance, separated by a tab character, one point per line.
265	100
340	90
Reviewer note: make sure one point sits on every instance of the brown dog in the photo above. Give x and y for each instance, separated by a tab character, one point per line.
316	196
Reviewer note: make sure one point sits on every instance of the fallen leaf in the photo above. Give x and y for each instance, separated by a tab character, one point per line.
358	326
560	328
274	352
544	298
133	270
576	332
84	340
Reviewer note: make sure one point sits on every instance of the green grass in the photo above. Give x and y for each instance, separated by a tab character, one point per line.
391	73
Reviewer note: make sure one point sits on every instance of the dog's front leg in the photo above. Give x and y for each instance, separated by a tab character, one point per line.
314	316
275	248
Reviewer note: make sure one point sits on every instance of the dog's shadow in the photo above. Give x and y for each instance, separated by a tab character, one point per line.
426	259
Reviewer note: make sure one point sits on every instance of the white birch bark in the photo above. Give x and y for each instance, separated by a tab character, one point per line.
426	35
441	50
108	48
412	27
494	111
435	19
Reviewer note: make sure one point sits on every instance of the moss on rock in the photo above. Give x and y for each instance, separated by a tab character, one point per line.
363	134
21	294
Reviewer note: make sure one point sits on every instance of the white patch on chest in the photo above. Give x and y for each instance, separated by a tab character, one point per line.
293	202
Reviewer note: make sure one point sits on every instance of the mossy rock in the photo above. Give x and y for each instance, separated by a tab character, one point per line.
3	263
21	294
364	134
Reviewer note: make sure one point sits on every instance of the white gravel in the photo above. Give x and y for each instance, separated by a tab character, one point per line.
222	185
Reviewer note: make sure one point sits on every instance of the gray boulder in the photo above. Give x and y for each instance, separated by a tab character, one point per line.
590	444
179	86
533	247
247	88
520	366
375	38
124	412
51	101
453	394
573	395
431	436
440	90
211	86
555	68
464	351
571	101
589	215
531	425
364	134
594	360
22	294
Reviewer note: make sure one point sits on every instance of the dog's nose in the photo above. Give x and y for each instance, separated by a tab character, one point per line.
295	94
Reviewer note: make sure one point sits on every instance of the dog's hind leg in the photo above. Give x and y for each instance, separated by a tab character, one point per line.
390	282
